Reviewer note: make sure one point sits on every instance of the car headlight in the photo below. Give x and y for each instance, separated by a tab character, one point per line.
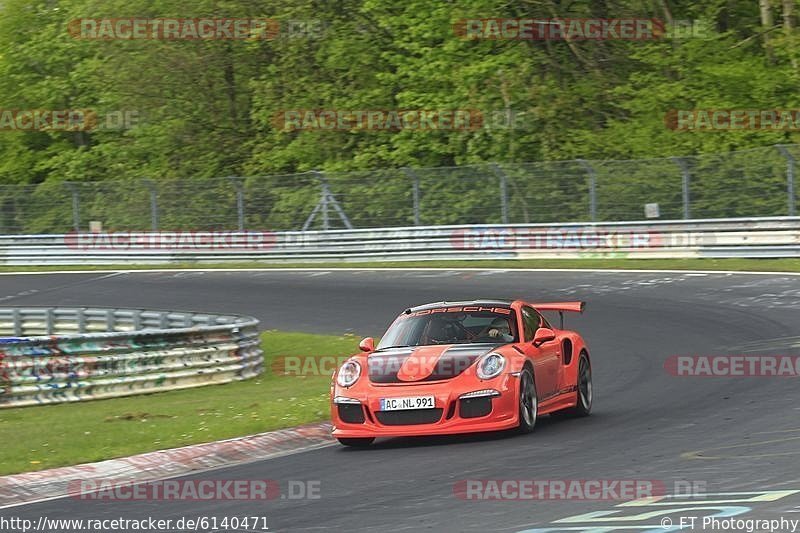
348	374
491	365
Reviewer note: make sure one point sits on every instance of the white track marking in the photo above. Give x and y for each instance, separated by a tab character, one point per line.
403	269
30	292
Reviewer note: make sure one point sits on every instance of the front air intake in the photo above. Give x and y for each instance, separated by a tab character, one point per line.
409	417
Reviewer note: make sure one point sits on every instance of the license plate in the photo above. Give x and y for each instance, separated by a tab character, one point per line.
413	402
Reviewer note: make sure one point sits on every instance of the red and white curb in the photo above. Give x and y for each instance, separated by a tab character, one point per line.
31	487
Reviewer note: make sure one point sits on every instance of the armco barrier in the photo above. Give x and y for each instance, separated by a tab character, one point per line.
52	355
745	237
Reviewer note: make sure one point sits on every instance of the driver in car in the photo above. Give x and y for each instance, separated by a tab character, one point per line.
499	329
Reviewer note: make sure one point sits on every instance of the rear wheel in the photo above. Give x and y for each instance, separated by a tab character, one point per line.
528	403
584	385
356	442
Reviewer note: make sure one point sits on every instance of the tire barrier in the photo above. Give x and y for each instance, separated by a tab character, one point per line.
55	355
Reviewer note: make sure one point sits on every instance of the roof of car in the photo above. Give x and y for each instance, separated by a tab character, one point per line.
484	303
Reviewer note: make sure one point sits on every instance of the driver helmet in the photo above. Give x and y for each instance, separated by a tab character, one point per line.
501	325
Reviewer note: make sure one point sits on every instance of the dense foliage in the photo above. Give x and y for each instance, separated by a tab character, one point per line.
206	108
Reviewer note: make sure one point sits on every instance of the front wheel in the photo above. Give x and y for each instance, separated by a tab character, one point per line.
528	402
356	442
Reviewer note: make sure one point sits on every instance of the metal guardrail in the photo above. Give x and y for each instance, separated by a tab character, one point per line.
715	238
53	355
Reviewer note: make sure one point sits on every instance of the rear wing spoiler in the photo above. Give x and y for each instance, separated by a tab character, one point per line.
572	307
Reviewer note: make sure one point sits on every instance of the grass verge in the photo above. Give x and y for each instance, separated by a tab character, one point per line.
35	438
616	263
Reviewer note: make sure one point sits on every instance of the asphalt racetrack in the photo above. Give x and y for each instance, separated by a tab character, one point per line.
726	435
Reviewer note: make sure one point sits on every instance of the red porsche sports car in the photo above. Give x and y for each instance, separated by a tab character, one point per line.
462	367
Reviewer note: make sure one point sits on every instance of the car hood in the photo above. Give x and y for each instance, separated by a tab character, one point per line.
424	363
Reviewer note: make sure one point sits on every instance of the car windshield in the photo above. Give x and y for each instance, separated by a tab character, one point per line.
461	325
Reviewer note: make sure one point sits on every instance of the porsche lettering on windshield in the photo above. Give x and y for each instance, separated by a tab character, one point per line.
465	309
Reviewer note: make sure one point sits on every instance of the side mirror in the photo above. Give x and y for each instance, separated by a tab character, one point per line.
543	335
368	344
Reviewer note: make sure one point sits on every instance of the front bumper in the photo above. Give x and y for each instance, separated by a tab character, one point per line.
355	412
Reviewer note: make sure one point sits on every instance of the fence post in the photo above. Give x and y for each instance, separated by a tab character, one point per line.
685	181
503	191
49	320
789	177
238	182
76	205
415	192
592	189
17	319
153	204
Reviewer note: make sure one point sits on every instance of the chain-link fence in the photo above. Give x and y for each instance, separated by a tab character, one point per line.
758	182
